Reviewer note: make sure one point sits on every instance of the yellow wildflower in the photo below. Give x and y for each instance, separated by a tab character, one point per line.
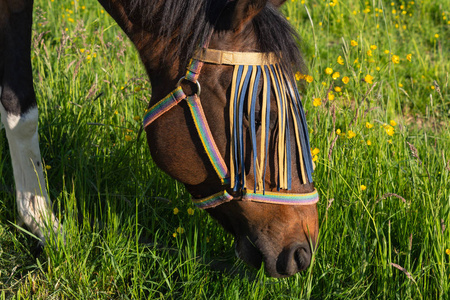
436	35
190	211
180	230
353	43
309	78
338	89
315	158
328	71
335	75
338	131
389	129
369	52
176	211
331	96
363	187
393	123
386	51
48	167
447	251
368	125
299	76
409	57
345	79
369	143
128	138
368	78
373	47
350	134
317	102
395	59
340	60
315	151
174	234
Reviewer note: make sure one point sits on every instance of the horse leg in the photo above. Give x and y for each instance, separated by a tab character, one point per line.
19	114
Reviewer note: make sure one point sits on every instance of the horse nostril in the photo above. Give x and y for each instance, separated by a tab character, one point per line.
302	257
294	258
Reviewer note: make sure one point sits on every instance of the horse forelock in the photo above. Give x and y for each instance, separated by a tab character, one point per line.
275	34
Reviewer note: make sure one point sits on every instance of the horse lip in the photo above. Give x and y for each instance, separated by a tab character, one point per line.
255	258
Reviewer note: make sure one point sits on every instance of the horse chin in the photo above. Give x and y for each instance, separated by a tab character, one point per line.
277	236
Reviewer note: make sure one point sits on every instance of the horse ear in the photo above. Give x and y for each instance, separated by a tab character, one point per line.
246	10
277	3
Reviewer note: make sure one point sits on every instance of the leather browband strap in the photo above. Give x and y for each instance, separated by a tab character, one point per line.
221	57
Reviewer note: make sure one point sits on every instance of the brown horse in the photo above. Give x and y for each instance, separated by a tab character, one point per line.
167	34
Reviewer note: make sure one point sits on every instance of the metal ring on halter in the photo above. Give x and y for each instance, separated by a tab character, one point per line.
199	89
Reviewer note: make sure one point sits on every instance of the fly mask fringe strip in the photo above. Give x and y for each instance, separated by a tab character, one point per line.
244	99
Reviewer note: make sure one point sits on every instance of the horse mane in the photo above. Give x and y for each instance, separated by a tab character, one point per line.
184	25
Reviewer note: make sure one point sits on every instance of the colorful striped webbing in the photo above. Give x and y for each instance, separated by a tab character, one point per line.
213	200
201	124
193	70
164	105
267	197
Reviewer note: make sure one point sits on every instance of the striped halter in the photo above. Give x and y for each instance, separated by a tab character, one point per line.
250	69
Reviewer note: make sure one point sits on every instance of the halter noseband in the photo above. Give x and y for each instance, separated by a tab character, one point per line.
249	69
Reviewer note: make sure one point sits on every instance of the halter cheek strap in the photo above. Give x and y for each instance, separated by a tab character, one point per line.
250	69
198	116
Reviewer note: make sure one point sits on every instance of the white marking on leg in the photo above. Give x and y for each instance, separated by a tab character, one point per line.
34	206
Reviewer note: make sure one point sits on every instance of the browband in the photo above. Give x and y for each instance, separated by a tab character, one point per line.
220	57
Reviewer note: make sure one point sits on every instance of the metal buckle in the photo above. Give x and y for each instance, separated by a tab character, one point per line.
199	89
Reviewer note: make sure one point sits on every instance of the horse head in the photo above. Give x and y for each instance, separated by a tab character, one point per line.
282	236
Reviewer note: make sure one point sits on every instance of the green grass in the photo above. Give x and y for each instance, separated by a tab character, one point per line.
123	239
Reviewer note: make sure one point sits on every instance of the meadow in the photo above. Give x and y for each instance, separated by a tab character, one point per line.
378	106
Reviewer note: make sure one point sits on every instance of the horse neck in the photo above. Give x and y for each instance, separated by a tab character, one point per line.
149	47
